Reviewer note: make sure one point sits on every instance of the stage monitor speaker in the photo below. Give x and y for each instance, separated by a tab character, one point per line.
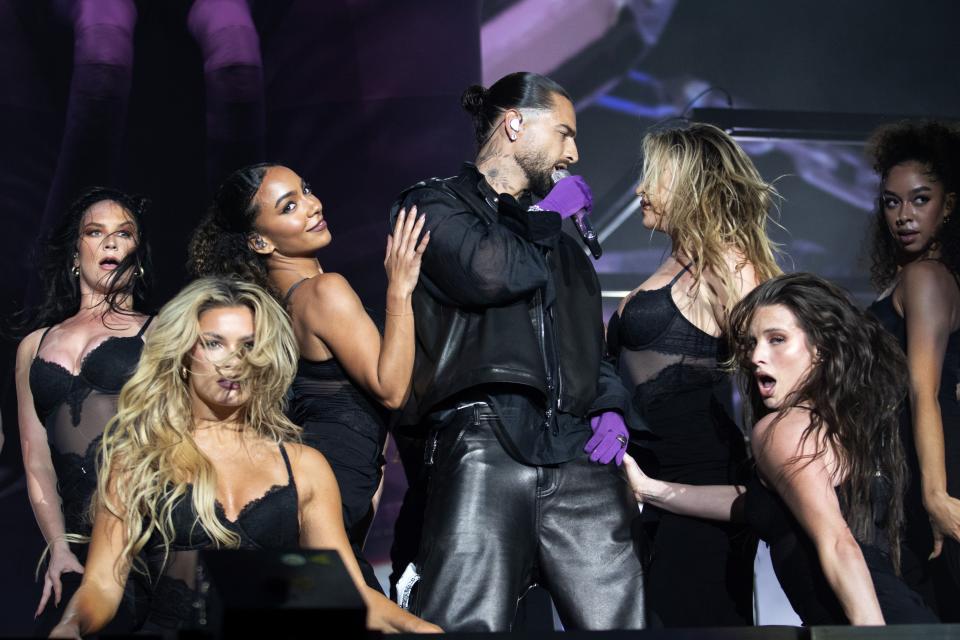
282	594
891	632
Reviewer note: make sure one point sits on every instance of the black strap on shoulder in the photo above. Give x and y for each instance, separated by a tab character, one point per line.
286	461
293	287
686	267
144	327
42	337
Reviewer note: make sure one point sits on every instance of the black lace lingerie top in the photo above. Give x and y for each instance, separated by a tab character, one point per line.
74	409
675	371
177	585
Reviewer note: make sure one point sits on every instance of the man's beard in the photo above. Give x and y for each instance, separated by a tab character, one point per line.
537	171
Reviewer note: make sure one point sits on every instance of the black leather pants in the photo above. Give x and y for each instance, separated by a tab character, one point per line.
494	525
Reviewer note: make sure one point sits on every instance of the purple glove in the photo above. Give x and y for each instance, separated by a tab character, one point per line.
610	438
568	196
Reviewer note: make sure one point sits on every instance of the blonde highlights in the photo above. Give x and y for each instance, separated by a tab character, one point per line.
147	456
717	202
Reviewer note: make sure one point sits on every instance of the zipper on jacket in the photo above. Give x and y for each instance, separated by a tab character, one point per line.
541	333
556	356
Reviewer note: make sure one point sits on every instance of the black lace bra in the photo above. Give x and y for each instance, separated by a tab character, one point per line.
74	409
176	585
106	368
269	522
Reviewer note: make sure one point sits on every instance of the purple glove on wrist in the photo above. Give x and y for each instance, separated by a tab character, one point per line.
567	197
610	438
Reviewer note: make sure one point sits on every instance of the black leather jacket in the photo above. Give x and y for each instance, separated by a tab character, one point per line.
491	272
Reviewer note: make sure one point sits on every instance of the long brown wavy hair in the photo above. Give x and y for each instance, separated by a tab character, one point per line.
718	201
853	395
147	456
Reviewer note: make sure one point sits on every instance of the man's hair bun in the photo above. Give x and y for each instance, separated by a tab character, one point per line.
473	99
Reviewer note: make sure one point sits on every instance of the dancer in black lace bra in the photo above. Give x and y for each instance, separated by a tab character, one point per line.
177	581
832	516
74	409
70	371
266	225
202	456
666	340
916	263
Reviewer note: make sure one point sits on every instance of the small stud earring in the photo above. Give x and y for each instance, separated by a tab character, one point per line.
76	270
260	244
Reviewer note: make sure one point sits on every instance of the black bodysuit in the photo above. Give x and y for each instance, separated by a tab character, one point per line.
74	409
349	428
177	586
797	564
939	581
674	369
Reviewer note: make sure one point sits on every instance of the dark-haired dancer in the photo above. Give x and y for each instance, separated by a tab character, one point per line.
916	265
509	372
70	369
265	226
828	489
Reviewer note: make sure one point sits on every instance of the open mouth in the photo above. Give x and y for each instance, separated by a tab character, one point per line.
109	264
229	385
766	384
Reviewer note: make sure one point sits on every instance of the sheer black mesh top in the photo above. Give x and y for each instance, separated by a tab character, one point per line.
674	369
74	409
177	583
323	393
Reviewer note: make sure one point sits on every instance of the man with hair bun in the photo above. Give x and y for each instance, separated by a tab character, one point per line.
528	423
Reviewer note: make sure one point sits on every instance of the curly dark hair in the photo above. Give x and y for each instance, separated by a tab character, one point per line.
853	393
935	145
61	290
220	245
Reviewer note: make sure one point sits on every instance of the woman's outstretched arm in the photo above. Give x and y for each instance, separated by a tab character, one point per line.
321	520
715	502
806	484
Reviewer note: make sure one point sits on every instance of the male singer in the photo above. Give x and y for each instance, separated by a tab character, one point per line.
528	421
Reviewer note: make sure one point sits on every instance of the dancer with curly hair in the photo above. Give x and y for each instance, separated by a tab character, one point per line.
916	267
266	226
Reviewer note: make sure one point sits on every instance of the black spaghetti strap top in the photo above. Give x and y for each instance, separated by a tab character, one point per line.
74	409
675	371
797	564
177	583
346	425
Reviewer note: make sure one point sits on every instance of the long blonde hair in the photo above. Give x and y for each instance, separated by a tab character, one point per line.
718	201
148	456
